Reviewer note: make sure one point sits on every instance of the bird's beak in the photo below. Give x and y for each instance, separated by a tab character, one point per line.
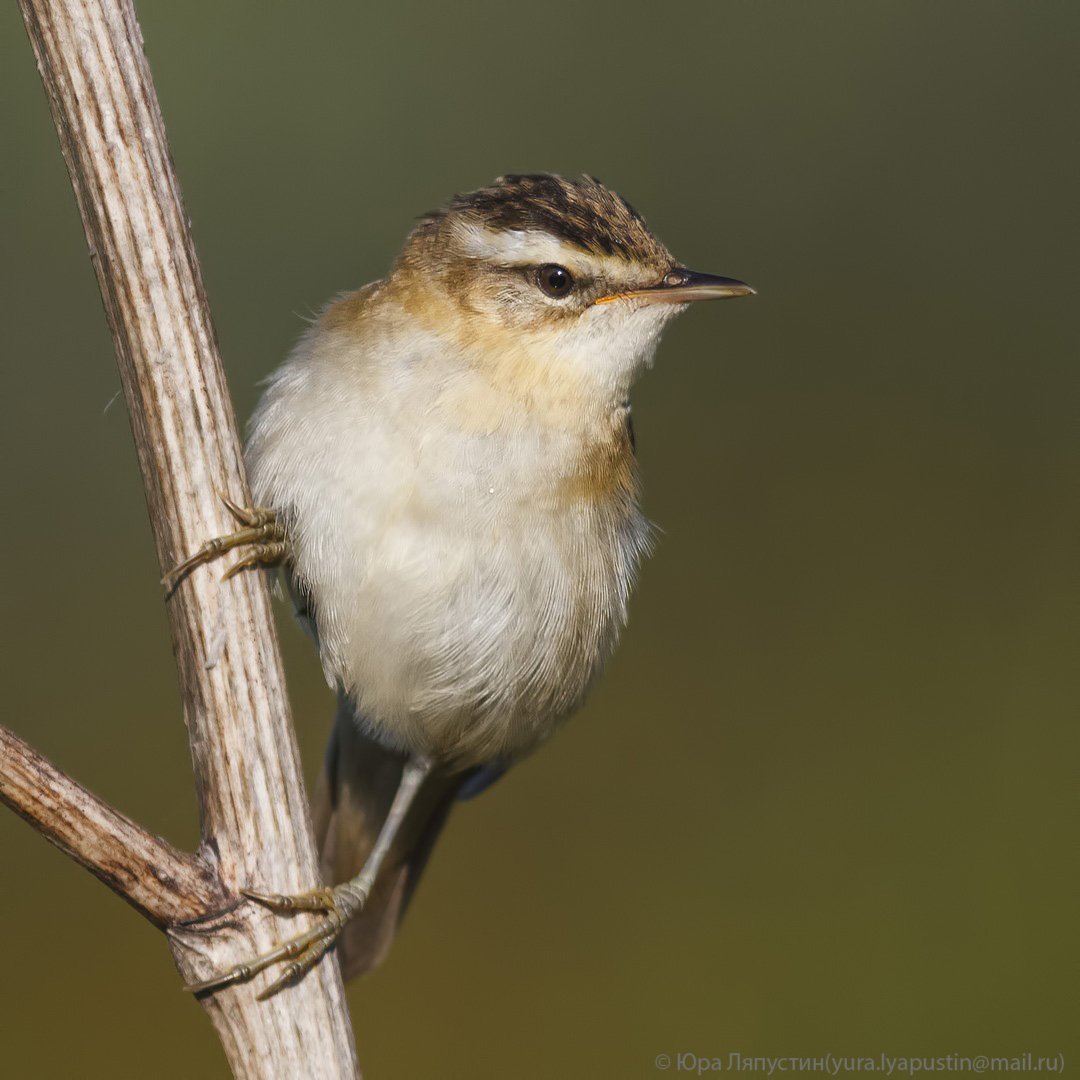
681	285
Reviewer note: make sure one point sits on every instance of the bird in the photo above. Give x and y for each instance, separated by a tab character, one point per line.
445	469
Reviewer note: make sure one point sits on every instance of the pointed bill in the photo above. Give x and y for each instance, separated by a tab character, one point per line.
681	286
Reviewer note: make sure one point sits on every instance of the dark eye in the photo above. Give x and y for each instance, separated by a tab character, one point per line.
554	280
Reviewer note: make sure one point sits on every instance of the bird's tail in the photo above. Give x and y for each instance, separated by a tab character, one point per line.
352	799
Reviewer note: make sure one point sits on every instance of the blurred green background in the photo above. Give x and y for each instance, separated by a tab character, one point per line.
824	798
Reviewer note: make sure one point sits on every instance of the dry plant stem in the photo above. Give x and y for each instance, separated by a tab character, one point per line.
255	825
165	885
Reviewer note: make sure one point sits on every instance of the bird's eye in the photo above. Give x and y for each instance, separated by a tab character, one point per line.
554	280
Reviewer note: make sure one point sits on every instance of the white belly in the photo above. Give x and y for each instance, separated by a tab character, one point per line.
472	642
468	580
462	606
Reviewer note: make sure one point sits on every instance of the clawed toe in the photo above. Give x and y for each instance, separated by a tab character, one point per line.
315	900
262	533
303	951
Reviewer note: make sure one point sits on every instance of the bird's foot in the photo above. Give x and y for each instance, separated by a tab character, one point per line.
302	952
261	531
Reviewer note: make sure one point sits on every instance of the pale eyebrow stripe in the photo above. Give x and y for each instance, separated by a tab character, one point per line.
533	247
515	246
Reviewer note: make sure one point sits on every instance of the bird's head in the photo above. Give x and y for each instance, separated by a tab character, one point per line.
544	278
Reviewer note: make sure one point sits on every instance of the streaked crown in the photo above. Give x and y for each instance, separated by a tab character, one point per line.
582	212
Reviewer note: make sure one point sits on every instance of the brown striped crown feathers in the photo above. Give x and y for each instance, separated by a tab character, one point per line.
582	212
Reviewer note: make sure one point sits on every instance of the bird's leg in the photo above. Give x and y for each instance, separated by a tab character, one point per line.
338	904
262	532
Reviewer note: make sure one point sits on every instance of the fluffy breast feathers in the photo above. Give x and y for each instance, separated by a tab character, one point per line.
464	522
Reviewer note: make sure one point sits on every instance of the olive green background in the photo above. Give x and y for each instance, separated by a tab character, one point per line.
824	797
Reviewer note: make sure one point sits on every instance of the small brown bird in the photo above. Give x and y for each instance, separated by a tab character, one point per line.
445	465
